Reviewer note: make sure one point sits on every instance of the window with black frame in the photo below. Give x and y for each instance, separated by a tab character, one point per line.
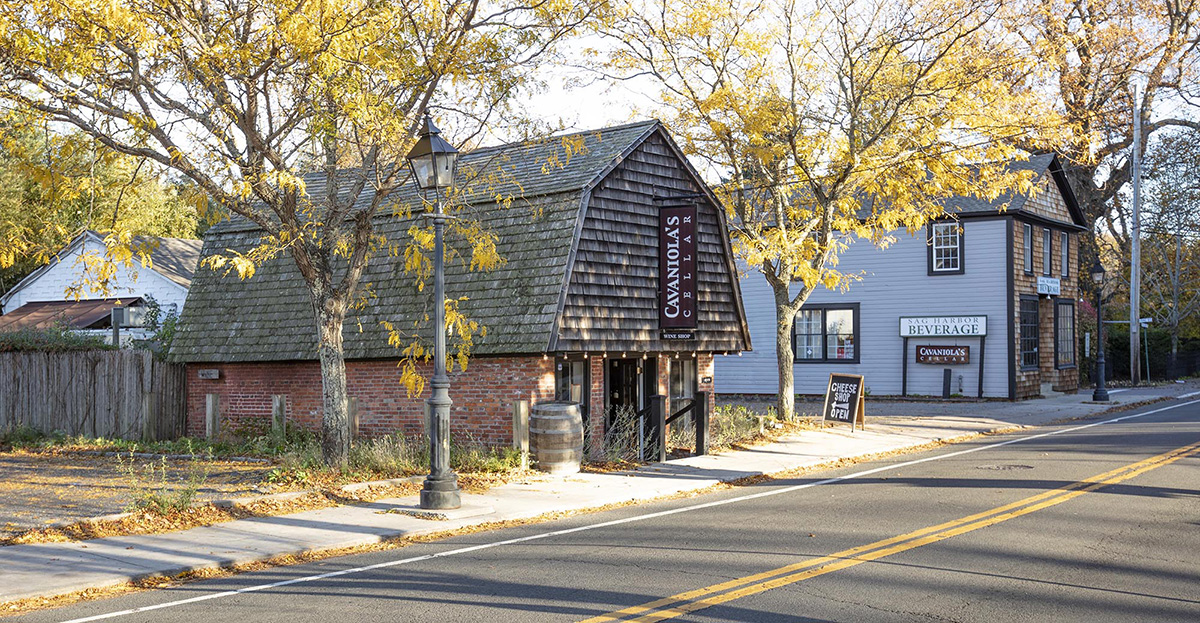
1066	254
571	383
683	382
826	333
1027	246
945	249
1064	334
1047	253
1029	332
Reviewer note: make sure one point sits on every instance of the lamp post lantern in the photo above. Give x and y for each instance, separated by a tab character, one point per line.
433	162
1101	393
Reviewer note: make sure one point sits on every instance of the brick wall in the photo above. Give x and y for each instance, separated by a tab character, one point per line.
483	395
706	368
596	408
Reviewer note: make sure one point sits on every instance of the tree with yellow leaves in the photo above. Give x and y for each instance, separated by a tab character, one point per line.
832	121
1090	54
52	185
242	97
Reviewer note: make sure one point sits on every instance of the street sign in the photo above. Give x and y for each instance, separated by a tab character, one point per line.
844	401
1049	285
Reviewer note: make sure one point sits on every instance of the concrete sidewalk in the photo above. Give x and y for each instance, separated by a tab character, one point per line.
50	569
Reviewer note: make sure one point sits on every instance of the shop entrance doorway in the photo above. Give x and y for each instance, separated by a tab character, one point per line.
631	382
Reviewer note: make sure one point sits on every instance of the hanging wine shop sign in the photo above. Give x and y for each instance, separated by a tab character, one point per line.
677	270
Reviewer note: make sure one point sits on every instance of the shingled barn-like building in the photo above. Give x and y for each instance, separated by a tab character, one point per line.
574	312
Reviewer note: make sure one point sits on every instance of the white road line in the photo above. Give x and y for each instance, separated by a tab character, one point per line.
615	522
1188	395
1117	391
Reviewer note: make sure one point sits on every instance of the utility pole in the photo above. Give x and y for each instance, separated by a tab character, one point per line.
1135	261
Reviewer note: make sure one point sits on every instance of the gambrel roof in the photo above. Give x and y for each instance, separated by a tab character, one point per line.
524	303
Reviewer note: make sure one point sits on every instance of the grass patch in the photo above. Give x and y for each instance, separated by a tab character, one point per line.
266	446
153	490
390	456
732	426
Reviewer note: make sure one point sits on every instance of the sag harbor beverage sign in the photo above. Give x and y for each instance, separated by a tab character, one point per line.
677	273
943	326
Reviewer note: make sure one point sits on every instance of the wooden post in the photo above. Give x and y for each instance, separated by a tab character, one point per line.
352	413
520	425
149	419
212	415
279	417
700	411
658	416
116	317
149	429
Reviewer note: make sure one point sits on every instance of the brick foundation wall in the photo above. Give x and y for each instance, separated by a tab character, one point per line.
483	395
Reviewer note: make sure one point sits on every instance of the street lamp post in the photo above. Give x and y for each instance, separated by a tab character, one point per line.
1100	394
433	162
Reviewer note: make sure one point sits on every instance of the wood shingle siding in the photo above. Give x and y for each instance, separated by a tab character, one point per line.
612	300
587	196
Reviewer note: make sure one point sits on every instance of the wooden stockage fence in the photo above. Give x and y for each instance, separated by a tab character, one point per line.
124	394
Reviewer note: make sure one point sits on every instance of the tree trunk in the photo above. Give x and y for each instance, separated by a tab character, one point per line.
785	319
335	421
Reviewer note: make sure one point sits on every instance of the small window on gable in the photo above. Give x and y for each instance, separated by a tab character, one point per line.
1066	254
1047	255
945	249
1027	242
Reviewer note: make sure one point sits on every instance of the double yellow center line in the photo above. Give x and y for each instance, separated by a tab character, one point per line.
701	598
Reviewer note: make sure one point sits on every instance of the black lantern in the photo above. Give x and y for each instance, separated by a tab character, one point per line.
432	159
1101	393
433	162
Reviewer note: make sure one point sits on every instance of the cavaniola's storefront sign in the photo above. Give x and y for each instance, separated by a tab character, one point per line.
943	354
677	271
948	326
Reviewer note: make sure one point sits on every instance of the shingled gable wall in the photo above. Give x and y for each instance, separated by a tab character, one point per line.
611	302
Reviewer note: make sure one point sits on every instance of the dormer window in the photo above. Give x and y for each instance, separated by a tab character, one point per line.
945	249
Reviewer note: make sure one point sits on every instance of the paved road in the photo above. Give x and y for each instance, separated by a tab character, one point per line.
1097	524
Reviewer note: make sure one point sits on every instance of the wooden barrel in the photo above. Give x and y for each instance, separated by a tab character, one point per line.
556	437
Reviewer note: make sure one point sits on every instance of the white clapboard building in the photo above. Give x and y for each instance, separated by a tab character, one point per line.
982	304
43	298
